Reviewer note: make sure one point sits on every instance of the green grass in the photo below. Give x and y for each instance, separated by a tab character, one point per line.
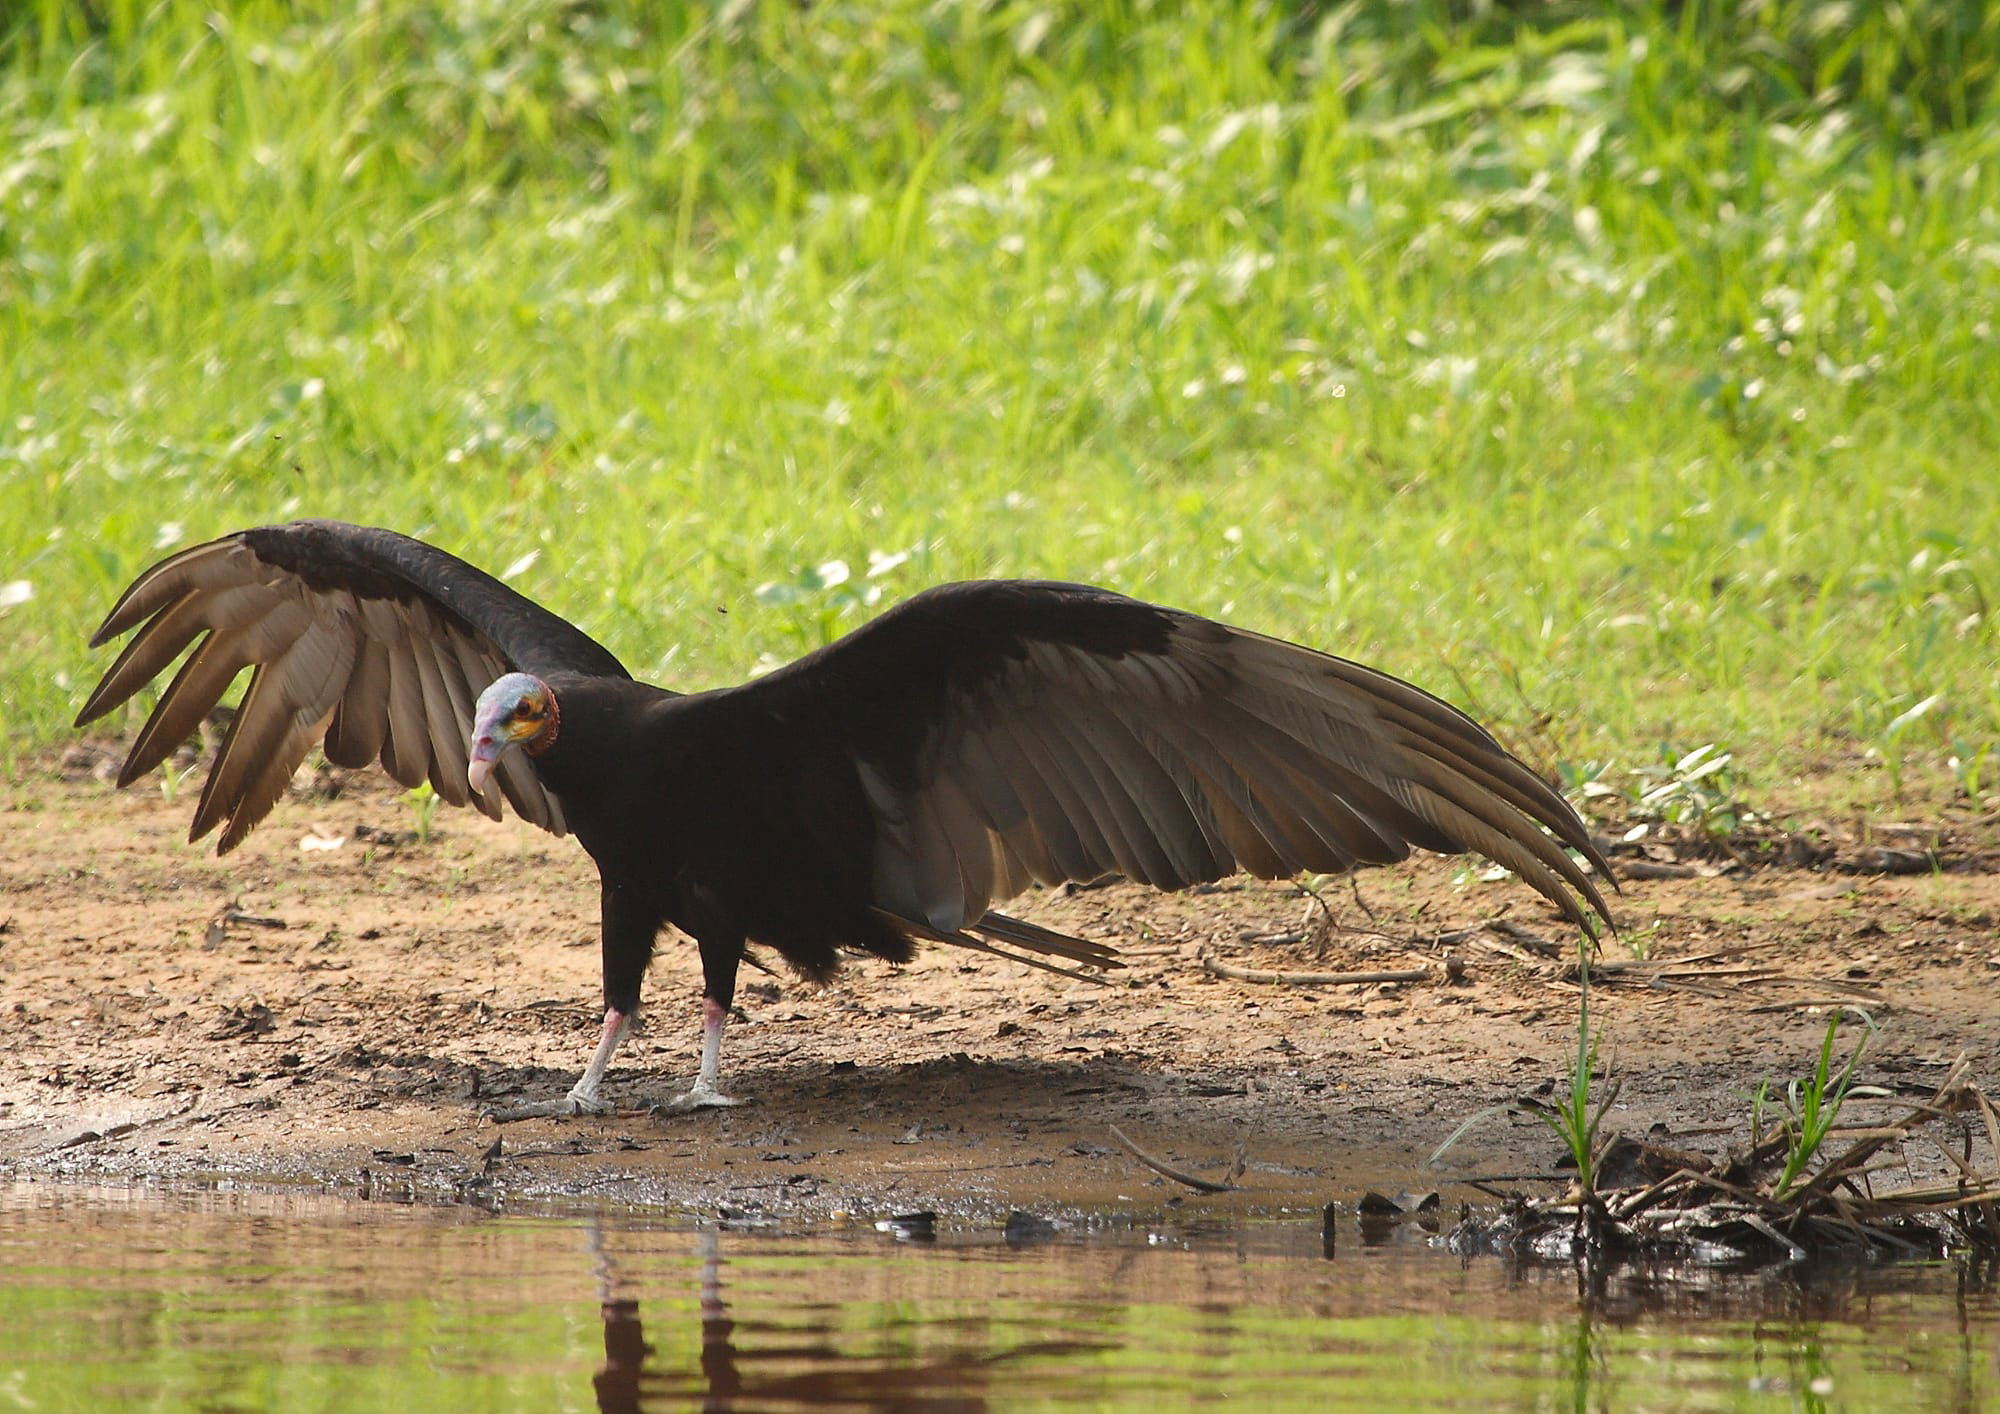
1577	1118
1624	372
1813	1106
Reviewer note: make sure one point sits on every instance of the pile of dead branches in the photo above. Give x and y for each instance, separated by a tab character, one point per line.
1741	1209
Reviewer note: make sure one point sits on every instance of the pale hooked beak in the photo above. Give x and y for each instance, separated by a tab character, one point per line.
513	710
485	757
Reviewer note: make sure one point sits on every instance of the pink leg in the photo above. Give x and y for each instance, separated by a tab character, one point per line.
582	1098
706	1091
617	1025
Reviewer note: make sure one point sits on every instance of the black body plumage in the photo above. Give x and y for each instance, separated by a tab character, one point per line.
888	788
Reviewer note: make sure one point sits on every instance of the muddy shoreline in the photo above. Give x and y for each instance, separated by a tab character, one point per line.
337	1003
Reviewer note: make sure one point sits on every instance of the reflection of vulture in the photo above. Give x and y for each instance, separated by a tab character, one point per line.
887	788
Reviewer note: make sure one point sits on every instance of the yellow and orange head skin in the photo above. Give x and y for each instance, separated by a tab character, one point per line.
515	710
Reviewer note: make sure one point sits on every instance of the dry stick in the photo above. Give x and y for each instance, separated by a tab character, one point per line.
1987	1113
233	914
1772	1008
1665	975
1251	935
1313	979
1937	1199
1875	1232
1693	989
1648	869
1664	966
1844	1216
1200	1185
1749	1198
1863	990
1508	950
1966	1172
1649	1196
1756	1224
1530	938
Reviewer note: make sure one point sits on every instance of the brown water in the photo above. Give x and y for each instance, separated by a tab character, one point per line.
209	1301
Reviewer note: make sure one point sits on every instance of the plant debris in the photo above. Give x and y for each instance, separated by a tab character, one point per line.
1739	1210
1166	1170
1316	979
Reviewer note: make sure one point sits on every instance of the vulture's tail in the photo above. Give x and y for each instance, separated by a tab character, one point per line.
1022	938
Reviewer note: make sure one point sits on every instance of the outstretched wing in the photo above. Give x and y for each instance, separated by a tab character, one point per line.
371	641
1008	731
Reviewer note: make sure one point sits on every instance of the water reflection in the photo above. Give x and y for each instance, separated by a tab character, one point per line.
251	1302
757	1376
619	1382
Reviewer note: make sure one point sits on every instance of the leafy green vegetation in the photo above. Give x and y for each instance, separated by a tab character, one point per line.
1812	1106
422	802
1621	370
1695	789
1576	1118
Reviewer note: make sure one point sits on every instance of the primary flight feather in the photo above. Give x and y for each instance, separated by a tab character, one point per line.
890	787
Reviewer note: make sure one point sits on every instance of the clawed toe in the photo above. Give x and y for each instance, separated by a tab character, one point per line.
567	1107
701	1097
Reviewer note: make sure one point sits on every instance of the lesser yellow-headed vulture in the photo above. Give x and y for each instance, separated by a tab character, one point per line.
889	788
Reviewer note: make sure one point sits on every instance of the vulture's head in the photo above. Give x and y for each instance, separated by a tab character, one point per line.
516	710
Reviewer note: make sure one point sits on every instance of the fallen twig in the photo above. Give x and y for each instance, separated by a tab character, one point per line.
1529	938
1807	1003
1314	979
1508	950
1652	869
550	1006
1883	860
1166	1170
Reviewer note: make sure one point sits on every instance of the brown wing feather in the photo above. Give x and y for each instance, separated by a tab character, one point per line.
368	641
1178	757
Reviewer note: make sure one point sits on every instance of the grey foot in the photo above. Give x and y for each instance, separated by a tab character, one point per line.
701	1097
567	1107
